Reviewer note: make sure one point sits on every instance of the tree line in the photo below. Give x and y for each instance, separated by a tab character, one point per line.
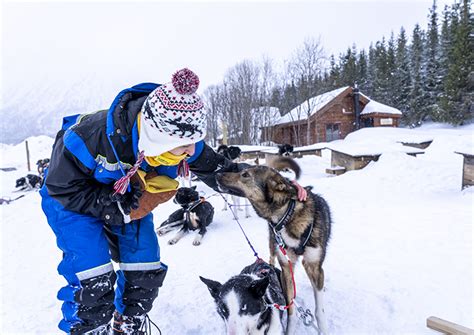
429	76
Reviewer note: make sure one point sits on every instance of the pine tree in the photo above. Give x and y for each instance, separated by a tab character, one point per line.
432	82
402	77
390	71
417	114
371	71
334	75
349	67
381	80
445	44
457	101
363	72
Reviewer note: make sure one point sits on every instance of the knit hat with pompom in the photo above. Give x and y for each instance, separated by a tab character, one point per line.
173	115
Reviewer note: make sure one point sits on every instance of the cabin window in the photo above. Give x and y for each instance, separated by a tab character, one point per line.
332	132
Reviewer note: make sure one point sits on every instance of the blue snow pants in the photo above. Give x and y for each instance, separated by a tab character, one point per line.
94	290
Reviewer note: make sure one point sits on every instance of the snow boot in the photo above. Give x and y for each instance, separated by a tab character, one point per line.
102	330
132	325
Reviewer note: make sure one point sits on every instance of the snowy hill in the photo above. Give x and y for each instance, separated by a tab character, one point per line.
38	109
401	247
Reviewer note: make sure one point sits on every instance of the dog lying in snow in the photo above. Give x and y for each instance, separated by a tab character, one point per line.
29	182
195	214
245	302
233	153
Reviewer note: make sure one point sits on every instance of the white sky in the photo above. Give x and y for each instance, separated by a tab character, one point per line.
135	42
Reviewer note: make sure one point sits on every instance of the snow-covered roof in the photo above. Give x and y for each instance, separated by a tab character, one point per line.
316	103
377	107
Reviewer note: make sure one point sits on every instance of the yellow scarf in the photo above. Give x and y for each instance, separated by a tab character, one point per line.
166	158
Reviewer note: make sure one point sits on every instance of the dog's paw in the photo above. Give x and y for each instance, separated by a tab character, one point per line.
197	240
224	209
172	241
248	216
161	232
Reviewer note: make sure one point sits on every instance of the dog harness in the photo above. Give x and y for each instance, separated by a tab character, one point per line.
277	228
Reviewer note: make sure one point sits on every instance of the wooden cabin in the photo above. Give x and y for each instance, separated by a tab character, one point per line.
331	116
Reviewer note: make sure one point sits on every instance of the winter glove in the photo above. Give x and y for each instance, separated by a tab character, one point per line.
117	207
156	190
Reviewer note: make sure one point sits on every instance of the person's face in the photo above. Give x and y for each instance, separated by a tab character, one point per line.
185	149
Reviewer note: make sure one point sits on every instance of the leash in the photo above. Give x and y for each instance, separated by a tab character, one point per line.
281	246
241	228
7	201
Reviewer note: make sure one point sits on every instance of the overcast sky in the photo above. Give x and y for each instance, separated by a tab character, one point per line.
131	42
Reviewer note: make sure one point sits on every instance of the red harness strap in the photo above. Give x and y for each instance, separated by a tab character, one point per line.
283	308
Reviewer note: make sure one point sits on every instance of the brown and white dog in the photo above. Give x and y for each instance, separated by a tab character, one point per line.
304	227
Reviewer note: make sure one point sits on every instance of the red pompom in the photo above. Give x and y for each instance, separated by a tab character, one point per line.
185	81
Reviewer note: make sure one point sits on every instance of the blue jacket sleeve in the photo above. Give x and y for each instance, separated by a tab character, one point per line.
71	182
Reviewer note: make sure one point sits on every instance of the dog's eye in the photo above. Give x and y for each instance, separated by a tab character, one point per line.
245	174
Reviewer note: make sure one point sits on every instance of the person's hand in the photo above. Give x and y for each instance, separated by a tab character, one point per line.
128	201
117	207
302	194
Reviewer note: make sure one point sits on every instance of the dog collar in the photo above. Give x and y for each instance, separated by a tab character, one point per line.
277	227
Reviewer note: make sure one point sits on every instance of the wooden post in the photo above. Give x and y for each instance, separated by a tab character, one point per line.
224	133
447	327
27	156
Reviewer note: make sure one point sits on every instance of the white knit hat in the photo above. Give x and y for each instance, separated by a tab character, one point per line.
173	115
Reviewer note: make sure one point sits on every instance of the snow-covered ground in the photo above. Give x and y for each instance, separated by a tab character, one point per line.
401	248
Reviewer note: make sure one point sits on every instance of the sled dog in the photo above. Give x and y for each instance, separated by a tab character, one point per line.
245	302
29	182
233	153
304	227
195	214
285	149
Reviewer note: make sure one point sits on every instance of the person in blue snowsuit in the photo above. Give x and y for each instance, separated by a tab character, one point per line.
99	214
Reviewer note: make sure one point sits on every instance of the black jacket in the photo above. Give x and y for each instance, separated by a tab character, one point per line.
84	165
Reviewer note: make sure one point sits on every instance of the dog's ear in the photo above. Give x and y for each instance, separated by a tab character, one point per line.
194	188
258	287
213	286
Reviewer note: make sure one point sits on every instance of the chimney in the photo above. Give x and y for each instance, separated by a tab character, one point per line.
356	107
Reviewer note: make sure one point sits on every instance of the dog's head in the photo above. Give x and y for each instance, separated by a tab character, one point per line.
285	149
233	152
230	152
221	149
20	182
240	302
186	195
261	184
